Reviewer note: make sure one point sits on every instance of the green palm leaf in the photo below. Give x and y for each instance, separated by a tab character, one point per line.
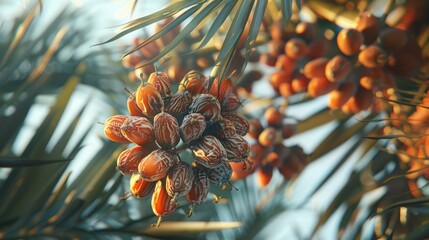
200	11
10	162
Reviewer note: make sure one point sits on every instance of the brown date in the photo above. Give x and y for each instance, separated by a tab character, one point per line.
112	129
162	204
179	179
237	148
128	161
240	123
166	129
178	104
200	188
149	100
161	82
208	106
209	152
140	187
138	130
193	126
194	82
155	166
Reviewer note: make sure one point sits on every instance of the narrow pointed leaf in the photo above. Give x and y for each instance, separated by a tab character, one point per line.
11	162
405	103
11	124
63	141
22	30
152	18
173	228
58	189
352	188
52	49
356	228
336	138
102	200
186	30
347	216
220	19
318	119
286	8
29	221
298	4
236	29
337	166
37	145
258	16
133	7
169	27
95	176
393	136
406	203
165	12
232	37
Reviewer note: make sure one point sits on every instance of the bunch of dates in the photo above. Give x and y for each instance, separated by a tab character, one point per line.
268	151
363	68
162	125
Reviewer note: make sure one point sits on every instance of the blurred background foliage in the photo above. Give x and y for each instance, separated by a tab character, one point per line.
57	175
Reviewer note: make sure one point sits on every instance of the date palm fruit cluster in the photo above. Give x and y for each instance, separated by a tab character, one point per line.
369	59
287	48
163	124
267	150
380	63
413	152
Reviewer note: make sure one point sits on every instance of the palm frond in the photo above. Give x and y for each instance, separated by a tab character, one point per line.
201	11
10	162
40	165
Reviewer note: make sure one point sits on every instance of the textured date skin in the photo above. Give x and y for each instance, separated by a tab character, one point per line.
338	68
138	130
162	204
223	91
209	152
128	161
149	100
161	82
200	188
140	187
112	129
240	123
208	106
178	104
165	123
194	82
220	175
155	166
166	128
231	103
237	148
132	107
193	126
179	179
223	129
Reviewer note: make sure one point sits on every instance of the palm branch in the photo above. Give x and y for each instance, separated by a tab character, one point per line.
229	20
37	199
